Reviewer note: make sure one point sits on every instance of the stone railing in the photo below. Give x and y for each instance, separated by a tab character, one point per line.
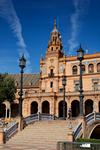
92	117
36	117
77	133
11	130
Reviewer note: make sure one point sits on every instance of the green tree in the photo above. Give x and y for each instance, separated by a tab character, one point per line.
7	88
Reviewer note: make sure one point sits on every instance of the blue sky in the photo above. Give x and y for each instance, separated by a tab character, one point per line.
25	27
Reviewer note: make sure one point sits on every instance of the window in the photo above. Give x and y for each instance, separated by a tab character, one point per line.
61	90
52	48
83	68
95	82
90	68
76	83
51	74
51	84
98	67
74	70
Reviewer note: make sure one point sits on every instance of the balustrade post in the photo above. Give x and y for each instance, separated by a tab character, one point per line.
39	116
94	116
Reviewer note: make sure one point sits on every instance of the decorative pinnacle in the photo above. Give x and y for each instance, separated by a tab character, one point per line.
55	24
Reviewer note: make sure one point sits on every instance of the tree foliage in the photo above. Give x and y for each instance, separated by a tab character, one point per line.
7	88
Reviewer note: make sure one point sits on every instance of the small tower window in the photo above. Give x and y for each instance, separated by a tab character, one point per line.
51	48
51	84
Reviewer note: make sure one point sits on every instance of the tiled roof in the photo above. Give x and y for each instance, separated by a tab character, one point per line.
29	80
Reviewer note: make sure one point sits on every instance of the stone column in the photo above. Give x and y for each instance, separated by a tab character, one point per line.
2	136
39	106
96	106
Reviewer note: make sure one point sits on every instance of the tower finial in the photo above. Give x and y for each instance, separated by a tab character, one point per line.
55	24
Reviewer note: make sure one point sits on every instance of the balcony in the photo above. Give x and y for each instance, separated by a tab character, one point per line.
50	75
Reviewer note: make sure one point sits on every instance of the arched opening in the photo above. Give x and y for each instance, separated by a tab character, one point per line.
99	106
83	69
74	70
75	108
46	107
98	67
2	110
90	68
14	109
61	109
34	107
88	107
96	133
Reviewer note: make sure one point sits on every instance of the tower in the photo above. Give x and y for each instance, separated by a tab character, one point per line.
49	66
55	43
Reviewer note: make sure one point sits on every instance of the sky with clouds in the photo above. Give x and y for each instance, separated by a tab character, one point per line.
25	27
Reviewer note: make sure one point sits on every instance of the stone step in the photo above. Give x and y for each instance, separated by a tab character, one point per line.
42	135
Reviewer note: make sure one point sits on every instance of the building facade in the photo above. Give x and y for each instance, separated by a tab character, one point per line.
44	92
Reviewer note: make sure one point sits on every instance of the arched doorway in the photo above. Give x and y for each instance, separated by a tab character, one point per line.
2	110
75	108
46	107
99	106
96	133
34	107
60	107
88	106
14	109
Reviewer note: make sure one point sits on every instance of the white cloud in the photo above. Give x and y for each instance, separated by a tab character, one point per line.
8	12
80	7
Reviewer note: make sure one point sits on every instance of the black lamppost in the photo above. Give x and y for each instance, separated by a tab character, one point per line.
80	57
64	84
22	64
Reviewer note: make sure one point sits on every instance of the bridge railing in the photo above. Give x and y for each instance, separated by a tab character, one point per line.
77	131
11	130
40	116
92	117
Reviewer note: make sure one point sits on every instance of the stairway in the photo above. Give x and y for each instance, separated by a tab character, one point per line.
42	135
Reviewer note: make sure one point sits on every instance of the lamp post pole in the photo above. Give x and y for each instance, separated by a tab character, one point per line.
22	64
64	84
80	57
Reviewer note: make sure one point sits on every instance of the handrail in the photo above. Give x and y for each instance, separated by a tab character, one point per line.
9	132
92	117
37	117
78	131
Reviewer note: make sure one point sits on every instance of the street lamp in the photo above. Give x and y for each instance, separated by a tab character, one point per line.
64	84
22	64
80	57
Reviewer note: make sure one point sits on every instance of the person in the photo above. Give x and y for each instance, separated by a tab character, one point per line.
69	113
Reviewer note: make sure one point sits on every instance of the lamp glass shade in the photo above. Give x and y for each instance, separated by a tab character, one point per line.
22	62
64	81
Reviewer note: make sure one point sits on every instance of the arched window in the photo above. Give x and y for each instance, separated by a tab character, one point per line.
60	107
74	70
98	67
34	107
83	68
90	68
88	106
46	107
75	108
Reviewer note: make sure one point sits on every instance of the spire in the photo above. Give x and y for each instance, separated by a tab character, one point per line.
55	26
